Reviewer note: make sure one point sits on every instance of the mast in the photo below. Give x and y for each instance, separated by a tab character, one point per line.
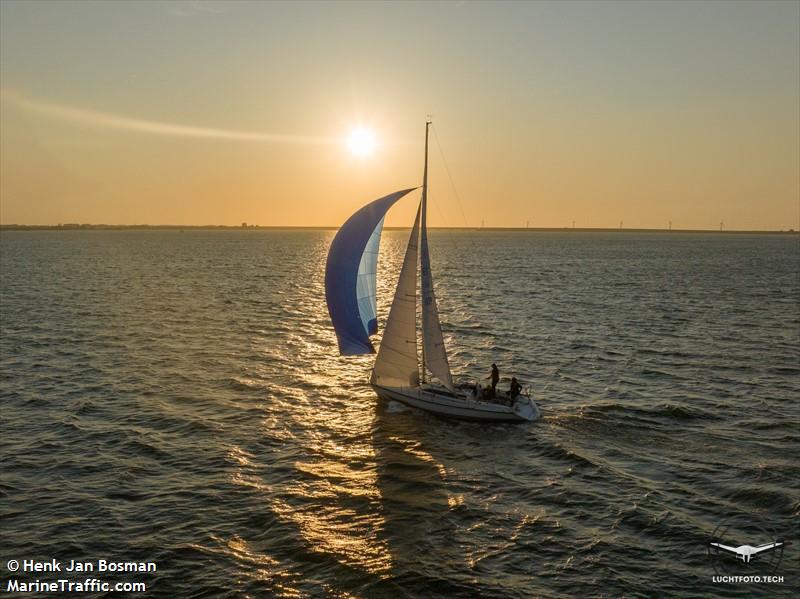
424	211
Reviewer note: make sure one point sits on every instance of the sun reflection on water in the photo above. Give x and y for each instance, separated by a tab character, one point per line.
349	494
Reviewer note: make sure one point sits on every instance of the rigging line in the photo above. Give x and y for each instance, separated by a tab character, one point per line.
450	235
439	209
449	176
453	185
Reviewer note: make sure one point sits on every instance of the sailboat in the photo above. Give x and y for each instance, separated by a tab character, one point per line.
398	373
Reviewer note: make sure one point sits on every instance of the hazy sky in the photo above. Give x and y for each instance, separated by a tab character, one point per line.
218	113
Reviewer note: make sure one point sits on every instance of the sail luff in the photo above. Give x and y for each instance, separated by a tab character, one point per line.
396	364
434	350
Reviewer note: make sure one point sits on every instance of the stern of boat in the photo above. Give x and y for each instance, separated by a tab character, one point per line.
525	408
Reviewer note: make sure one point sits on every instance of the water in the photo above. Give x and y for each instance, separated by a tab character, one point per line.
176	397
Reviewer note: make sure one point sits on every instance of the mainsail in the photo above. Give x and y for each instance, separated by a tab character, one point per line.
396	364
434	352
350	276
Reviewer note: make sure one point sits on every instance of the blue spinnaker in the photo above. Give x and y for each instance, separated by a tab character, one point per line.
350	276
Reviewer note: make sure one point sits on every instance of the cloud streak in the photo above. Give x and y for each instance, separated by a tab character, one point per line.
107	120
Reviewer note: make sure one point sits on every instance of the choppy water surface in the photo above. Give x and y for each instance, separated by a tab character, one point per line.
177	397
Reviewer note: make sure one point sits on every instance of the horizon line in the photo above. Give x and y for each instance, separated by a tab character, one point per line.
249	227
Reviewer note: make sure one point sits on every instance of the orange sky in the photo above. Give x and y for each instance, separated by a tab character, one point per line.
218	113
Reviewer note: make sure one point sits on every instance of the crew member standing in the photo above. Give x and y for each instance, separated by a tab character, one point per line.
495	376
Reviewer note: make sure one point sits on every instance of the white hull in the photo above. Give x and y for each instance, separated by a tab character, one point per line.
438	400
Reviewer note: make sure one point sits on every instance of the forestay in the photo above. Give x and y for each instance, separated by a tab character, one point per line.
350	276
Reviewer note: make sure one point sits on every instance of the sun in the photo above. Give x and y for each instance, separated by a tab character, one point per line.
361	142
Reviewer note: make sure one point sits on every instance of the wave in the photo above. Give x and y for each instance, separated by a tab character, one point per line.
663	411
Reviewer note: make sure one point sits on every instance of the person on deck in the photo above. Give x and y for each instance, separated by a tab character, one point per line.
477	392
514	389
495	376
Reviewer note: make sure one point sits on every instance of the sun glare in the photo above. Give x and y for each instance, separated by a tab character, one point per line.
361	142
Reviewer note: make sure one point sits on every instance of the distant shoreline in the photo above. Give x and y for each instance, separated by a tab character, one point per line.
88	227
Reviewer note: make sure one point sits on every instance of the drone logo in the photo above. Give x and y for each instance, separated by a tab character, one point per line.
728	554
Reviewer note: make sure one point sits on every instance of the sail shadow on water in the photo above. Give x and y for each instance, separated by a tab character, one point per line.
316	512
418	527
